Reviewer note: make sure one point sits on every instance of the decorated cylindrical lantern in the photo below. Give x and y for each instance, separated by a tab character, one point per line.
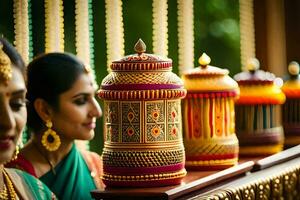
143	144
291	108
258	111
208	117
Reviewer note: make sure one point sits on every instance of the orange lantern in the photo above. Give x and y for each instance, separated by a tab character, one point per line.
208	117
258	111
291	108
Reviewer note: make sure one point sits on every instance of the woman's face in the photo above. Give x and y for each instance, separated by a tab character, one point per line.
12	114
78	110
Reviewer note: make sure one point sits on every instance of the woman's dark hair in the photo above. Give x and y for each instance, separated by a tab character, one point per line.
48	76
13	55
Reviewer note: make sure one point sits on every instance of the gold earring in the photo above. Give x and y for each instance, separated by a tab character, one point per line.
50	140
15	155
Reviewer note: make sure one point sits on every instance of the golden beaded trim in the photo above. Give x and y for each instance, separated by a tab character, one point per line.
141	66
119	78
142	94
212	162
211	147
142	159
147	177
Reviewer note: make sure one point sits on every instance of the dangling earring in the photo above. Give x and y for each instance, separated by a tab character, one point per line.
15	155
50	139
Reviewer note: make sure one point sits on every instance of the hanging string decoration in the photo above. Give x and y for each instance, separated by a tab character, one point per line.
160	27
91	33
84	42
23	39
30	31
83	35
247	32
22	28
114	31
54	23
185	35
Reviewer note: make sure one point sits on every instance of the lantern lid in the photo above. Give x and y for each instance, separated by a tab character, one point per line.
205	69
252	74
258	86
208	78
291	87
141	60
141	76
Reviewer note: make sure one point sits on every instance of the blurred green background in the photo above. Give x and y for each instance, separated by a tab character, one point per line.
216	32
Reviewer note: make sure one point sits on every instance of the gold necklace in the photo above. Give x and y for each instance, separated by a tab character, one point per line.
8	191
4	193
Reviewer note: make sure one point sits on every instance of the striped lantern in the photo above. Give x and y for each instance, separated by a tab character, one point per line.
143	144
291	108
258	111
208	117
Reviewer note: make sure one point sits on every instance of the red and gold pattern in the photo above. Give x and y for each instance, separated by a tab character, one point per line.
291	108
143	132
209	122
258	120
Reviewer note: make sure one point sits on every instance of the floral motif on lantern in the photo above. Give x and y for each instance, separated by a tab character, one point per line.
173	112
130	131
174	131
130	116
155	114
173	115
155	131
173	127
130	120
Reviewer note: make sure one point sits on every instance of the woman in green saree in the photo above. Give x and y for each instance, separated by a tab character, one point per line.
61	109
14	184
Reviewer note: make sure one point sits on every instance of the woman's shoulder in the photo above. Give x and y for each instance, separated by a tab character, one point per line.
91	155
92	159
23	164
24	176
94	163
28	185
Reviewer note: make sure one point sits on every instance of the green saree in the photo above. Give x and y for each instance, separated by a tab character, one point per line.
29	187
72	178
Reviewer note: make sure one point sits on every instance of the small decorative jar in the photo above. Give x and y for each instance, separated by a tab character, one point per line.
143	144
258	111
291	108
208	117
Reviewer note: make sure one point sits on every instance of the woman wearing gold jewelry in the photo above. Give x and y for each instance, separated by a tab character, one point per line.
61	109
14	184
